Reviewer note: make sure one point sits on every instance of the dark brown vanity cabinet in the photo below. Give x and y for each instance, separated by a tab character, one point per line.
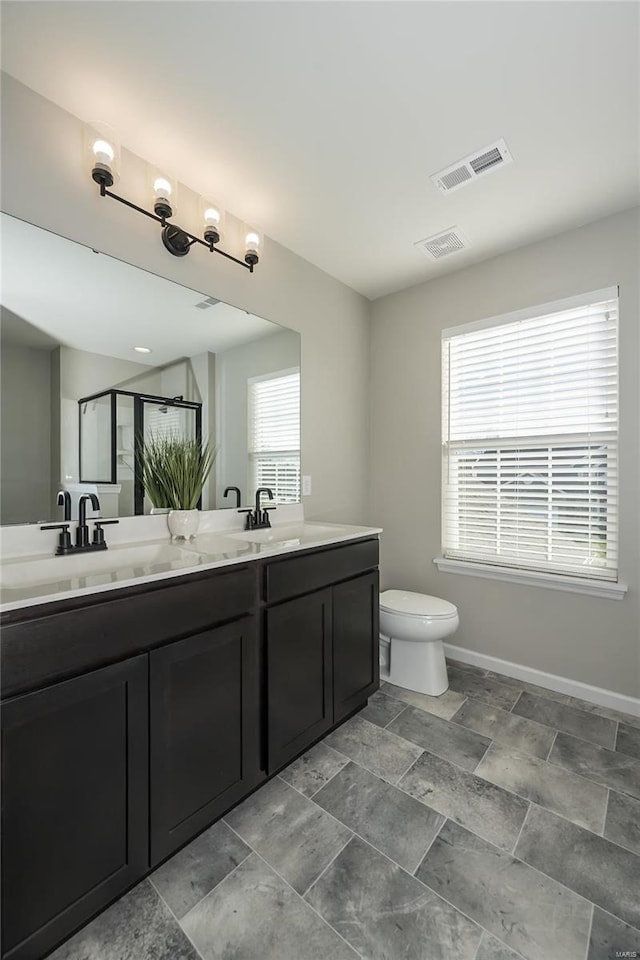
355	631
132	720
205	700
322	659
299	675
107	769
74	803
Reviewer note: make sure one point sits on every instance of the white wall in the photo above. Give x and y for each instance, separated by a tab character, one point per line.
39	138
26	466
585	638
280	351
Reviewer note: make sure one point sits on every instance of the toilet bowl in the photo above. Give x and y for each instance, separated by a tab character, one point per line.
412	628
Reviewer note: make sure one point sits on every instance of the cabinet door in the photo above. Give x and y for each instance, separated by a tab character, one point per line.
299	671
356	663
205	727
74	803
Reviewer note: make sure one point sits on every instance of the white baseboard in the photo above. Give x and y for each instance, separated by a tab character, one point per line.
575	688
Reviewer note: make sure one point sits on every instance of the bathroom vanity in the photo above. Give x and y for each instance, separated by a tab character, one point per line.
149	687
135	717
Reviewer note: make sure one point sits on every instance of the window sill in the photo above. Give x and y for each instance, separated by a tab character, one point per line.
530	578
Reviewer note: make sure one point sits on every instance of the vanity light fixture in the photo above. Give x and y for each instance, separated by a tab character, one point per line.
252	243
103	151
163	189
213	216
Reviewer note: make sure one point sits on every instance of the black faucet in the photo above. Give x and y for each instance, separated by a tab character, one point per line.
82	531
82	545
238	494
258	518
64	500
258	492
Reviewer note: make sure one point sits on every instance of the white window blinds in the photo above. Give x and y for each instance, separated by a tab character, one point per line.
530	439
274	435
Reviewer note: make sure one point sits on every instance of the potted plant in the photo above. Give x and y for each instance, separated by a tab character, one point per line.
174	471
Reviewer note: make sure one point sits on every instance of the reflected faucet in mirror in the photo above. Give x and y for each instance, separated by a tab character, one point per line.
64	500
237	492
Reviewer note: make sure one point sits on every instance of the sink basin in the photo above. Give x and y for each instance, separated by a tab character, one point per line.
290	534
118	563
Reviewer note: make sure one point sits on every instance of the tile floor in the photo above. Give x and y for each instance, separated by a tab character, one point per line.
500	821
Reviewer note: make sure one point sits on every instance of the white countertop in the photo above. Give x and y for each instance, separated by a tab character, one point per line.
27	581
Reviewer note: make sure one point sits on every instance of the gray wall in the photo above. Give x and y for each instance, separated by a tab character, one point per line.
203	367
332	318
26	466
82	374
585	638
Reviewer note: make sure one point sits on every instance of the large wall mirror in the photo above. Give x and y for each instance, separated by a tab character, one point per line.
76	394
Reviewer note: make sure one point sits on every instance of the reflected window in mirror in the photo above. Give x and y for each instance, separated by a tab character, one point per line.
274	434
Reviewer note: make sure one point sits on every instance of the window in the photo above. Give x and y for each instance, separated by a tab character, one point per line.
274	434
530	439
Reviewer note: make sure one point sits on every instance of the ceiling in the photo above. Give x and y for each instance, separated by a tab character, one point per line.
322	122
93	302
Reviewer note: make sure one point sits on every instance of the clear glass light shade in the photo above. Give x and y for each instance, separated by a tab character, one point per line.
212	218
252	243
163	190
102	152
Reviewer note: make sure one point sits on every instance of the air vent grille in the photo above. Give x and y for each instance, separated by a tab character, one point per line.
476	165
443	244
486	160
205	304
456	177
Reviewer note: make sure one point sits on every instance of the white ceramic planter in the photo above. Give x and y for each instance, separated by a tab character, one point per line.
183	524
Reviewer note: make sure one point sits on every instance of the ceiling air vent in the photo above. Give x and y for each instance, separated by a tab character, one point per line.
205	304
456	178
443	244
474	166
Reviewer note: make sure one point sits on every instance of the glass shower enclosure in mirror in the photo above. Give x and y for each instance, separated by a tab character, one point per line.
97	353
115	426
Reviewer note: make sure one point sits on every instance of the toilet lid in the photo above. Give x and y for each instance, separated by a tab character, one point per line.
416	604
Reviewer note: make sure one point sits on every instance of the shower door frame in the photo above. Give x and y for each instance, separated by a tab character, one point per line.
139	400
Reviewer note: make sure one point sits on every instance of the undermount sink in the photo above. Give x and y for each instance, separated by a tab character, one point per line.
287	533
118	561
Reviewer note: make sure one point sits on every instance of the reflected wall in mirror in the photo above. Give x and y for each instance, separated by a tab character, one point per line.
72	382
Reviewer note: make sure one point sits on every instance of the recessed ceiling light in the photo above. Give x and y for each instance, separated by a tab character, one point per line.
143	349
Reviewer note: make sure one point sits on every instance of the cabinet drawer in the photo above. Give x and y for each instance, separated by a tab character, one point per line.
82	636
303	573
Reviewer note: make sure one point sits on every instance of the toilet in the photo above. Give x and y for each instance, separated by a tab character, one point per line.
412	628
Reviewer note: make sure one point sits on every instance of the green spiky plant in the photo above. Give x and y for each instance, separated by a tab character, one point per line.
175	470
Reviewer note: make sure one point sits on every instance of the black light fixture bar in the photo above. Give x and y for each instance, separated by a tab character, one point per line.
176	240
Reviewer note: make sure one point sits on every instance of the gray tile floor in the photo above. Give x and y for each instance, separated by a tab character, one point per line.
499	821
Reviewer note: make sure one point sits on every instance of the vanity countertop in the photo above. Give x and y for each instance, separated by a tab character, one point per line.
27	581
